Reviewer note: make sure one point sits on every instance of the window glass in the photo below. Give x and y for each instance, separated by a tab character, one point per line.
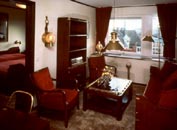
129	32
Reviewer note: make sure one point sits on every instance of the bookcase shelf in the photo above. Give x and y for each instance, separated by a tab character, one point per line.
71	50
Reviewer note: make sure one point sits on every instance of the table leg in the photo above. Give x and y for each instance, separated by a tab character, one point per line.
84	100
119	109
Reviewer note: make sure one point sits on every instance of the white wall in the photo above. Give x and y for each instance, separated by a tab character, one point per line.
54	9
139	71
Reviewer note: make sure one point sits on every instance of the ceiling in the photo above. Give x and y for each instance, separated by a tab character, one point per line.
122	3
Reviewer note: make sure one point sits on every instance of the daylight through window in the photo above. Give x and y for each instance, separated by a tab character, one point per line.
128	30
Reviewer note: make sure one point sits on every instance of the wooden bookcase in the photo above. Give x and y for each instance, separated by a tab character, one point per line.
71	50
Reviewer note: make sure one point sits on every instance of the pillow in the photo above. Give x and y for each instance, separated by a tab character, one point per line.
43	80
171	81
6	46
168	99
167	69
11	50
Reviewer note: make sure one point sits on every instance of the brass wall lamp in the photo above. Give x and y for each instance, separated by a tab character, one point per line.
48	37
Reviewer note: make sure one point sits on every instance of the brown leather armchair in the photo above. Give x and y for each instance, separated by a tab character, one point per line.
51	98
96	65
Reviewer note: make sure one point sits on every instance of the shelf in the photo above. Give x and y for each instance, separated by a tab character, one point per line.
71	49
77	64
77	50
78	35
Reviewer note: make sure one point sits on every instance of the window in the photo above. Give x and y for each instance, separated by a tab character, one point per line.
156	33
129	32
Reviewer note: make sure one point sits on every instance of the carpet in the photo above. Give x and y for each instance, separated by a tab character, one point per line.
91	120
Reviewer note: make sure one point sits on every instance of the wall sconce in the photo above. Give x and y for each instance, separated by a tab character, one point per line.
17	42
48	37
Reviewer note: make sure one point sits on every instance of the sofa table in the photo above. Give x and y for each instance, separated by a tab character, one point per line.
112	100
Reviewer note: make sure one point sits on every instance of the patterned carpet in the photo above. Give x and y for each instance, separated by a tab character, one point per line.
91	120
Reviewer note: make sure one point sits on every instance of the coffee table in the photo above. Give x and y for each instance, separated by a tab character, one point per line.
111	100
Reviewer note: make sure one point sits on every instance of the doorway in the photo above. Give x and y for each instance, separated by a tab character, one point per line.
30	29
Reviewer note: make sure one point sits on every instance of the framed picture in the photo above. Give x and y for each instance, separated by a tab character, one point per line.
3	27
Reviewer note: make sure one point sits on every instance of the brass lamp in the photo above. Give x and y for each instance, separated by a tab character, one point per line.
48	37
99	47
148	38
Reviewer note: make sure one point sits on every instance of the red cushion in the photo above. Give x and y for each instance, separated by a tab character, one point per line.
55	100
168	99
153	88
43	79
167	69
171	81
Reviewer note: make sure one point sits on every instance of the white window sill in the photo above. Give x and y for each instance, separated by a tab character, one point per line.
131	55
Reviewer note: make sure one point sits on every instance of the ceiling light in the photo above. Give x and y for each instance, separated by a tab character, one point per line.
22	6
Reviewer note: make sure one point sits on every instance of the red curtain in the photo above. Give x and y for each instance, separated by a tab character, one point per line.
102	23
167	14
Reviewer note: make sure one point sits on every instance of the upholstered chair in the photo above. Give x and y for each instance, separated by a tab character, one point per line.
51	98
96	66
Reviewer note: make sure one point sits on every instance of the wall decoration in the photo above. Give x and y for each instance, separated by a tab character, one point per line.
3	27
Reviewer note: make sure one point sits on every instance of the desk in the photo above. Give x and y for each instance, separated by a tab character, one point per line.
11	119
113	101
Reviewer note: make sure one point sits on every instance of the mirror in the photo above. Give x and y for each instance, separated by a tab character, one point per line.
3	27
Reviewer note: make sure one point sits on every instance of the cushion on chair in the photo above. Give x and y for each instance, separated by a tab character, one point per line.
55	100
168	99
153	88
43	79
52	100
167	69
171	81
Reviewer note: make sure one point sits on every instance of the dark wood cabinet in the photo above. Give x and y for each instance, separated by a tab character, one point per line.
71	50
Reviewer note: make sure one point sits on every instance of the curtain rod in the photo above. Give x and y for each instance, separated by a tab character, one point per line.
134	6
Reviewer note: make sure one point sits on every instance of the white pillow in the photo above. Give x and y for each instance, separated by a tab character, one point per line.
6	46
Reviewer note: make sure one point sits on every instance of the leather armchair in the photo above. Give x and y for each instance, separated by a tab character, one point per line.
51	98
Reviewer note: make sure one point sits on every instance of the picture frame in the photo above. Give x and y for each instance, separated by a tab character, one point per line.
3	27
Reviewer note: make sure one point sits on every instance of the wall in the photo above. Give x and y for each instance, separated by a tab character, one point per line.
139	71
16	26
54	9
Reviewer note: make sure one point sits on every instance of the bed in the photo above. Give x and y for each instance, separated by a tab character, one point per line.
12	67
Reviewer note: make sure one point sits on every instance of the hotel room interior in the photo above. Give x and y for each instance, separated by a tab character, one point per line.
55	50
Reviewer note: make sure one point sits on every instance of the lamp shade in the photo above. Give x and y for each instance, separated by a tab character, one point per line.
148	39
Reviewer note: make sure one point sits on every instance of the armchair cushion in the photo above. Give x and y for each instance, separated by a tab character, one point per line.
153	88
43	80
168	99
171	81
167	69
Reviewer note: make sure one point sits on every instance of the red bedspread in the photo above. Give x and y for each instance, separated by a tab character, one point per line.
14	56
10	59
